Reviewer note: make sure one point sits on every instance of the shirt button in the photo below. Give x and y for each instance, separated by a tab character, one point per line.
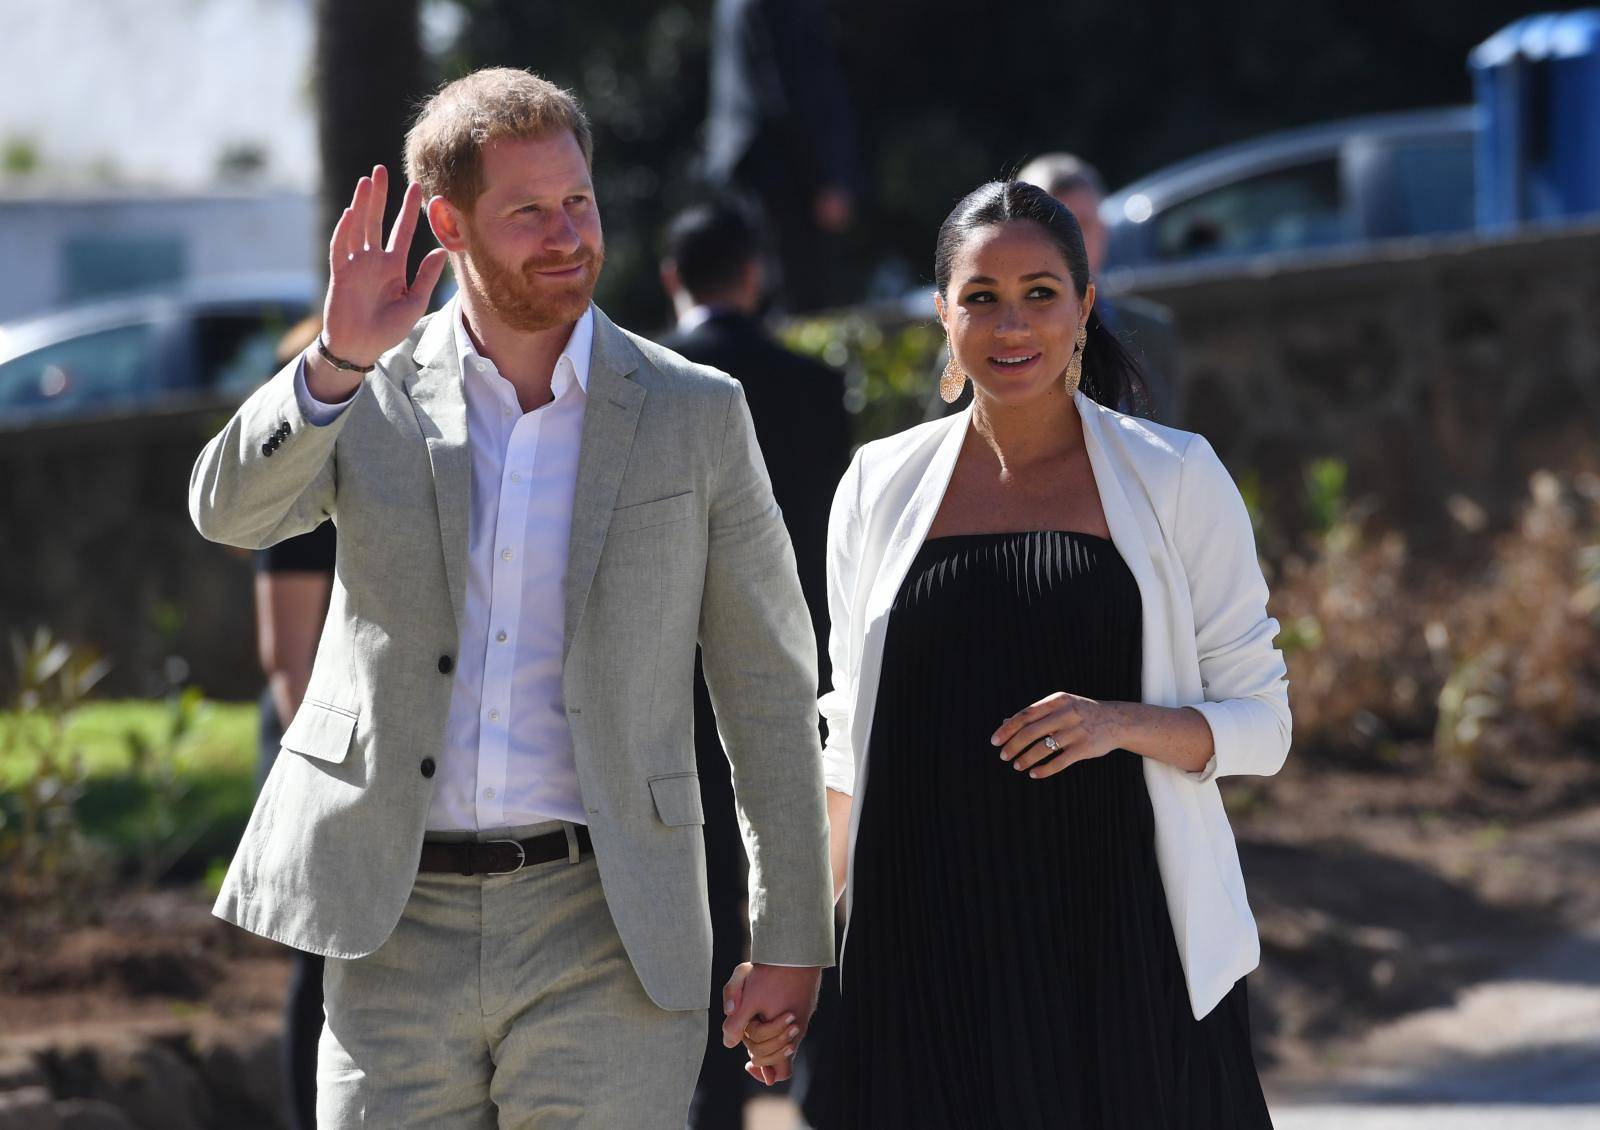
494	716
505	555
478	365
516	476
446	664
488	794
427	767
501	636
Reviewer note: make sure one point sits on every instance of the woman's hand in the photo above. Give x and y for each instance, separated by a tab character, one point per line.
1081	728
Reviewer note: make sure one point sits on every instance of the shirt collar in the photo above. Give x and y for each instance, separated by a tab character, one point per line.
698	315
576	353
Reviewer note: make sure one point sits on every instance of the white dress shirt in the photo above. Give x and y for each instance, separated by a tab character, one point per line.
507	758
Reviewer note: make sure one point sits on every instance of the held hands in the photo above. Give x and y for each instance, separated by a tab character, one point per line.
769	1007
1082	728
370	308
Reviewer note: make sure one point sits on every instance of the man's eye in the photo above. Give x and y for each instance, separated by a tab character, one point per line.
577	200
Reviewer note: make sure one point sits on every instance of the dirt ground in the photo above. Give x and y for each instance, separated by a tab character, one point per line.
1382	897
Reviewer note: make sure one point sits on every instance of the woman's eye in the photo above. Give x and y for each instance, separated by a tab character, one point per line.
1041	292
980	296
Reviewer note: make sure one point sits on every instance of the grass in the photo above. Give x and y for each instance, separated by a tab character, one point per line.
163	808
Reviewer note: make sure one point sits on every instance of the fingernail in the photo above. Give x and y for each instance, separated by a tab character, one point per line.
789	1019
788	1051
1034	774
727	1006
793	1032
1005	757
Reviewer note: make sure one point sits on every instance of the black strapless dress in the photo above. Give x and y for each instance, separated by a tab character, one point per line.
1010	960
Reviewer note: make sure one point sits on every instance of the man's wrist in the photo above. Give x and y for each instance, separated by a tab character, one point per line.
326	382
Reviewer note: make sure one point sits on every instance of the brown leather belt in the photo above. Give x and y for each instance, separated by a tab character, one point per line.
500	857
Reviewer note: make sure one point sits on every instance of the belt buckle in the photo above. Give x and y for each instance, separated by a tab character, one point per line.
522	857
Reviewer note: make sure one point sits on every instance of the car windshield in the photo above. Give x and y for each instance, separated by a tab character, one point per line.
238	349
107	367
1282	210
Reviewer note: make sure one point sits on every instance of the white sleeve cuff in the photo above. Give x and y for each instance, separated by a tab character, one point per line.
317	413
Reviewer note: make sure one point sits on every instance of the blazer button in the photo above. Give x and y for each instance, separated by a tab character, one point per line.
446	665
267	449
427	767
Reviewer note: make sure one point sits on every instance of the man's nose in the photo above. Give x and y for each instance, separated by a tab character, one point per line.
561	235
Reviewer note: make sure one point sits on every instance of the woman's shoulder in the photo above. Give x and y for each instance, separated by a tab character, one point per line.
888	455
1145	437
1169	460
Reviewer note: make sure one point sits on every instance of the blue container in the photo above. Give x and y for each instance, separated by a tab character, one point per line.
1538	81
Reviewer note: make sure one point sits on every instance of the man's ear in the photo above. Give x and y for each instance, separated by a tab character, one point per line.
447	224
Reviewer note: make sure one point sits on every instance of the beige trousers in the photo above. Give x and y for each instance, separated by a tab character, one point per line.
503	1002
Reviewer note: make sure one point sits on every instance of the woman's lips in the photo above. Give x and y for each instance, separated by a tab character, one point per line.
1014	364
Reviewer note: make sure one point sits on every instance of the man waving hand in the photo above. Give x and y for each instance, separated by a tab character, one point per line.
487	816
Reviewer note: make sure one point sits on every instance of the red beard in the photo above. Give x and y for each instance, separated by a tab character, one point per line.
523	299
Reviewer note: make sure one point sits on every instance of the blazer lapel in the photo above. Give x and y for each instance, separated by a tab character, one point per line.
610	418
917	517
1135	531
436	394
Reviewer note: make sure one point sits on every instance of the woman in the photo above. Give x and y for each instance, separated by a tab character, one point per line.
1049	638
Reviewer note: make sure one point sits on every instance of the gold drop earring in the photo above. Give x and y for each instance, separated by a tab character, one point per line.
1074	375
953	379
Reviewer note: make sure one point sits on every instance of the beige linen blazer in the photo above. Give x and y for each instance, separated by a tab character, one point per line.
1179	523
675	540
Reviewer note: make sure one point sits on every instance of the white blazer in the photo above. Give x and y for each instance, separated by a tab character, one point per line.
1178	521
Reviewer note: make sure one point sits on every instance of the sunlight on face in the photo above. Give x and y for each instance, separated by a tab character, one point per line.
534	244
1012	312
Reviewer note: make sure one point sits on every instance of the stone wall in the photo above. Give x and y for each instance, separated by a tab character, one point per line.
96	544
1443	372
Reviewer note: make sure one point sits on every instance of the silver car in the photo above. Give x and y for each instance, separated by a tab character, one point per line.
211	342
1338	184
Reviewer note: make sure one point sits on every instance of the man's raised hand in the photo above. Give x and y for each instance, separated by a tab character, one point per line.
370	308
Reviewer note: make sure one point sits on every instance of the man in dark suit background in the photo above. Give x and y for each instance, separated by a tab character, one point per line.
715	275
779	131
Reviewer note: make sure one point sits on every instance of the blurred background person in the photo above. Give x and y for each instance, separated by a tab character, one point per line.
293	581
714	272
1145	327
780	131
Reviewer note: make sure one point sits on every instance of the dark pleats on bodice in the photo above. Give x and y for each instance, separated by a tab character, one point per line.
1010	960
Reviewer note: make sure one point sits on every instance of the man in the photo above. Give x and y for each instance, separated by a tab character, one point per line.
779	131
1145	326
490	823
714	274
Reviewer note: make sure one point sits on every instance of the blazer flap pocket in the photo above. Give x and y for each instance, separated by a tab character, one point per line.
320	730
657	512
677	797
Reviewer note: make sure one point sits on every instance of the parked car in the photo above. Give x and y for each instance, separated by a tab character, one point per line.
211	342
1338	184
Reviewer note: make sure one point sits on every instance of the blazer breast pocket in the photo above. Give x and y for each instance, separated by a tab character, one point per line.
321	730
657	512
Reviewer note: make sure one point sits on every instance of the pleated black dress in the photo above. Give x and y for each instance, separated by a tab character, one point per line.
1010	960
